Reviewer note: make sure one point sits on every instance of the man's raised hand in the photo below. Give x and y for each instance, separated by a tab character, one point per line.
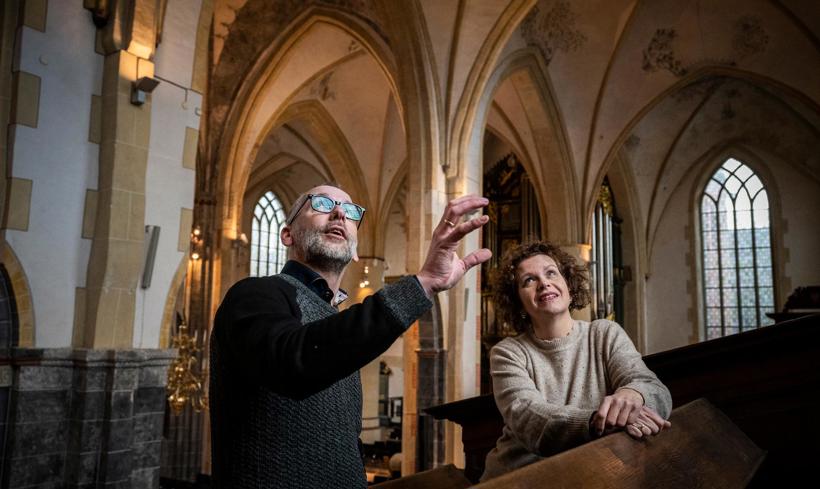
443	268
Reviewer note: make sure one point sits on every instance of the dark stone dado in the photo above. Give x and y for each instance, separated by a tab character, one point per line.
84	418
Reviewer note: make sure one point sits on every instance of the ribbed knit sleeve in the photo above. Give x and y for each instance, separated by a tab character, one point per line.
543	426
627	369
261	330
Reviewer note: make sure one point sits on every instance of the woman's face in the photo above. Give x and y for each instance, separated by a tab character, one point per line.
541	287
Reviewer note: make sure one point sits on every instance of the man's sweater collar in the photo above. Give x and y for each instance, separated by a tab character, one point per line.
314	282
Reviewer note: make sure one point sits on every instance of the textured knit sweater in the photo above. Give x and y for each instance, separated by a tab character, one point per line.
548	390
284	385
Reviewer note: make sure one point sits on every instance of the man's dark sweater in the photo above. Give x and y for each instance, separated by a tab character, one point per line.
284	384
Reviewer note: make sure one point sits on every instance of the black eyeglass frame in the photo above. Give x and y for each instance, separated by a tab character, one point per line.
309	197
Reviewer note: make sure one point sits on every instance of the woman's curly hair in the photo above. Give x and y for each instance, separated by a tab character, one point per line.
505	289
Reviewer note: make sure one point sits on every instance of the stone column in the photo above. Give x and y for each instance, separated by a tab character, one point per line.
128	39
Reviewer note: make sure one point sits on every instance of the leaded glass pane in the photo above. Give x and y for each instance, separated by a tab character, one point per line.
727	239
753	185
730	317
731	164
731	330
726	219
727	257
744	238
764	257
729	276
709	221
710	240
743	172
766	295
711	262
721	175
713	316
762	238
742	203
749	317
713	298
733	185
746	257
743	219
764	276
747	277
712	333
761	218
712	189
730	297
764	319
747	297
712	278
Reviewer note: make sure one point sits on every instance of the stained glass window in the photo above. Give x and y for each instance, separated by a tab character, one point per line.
736	251
268	254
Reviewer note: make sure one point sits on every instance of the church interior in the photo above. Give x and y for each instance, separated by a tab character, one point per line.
672	146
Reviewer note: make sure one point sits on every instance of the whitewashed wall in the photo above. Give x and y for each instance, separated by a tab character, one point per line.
62	164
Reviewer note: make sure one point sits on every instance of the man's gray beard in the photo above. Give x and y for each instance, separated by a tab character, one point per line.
319	255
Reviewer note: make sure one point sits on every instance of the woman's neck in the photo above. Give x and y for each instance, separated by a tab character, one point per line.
552	327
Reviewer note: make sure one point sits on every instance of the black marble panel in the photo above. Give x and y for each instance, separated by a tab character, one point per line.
125	379
154	376
117	466
85	435
40	469
43	378
145	478
90	379
148	427
46	405
149	400
88	405
122	404
120	434
31	439
81	468
147	454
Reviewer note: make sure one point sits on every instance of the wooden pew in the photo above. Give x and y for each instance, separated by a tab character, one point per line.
703	449
767	382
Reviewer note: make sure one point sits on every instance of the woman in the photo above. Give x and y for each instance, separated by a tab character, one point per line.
562	382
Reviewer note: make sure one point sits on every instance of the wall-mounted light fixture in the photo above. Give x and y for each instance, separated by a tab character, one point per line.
141	87
365	280
196	243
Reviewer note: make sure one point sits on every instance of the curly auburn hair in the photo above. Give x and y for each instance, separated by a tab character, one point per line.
505	289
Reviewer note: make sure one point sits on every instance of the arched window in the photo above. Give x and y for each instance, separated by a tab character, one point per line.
268	254
737	253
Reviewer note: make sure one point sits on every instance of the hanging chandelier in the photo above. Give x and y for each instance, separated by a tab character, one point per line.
184	381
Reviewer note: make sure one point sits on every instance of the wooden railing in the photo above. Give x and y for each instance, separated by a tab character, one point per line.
767	382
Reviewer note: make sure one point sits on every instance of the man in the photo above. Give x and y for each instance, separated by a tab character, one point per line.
285	388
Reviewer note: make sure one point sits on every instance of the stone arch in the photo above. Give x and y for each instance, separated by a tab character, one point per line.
21	291
248	120
472	102
542	112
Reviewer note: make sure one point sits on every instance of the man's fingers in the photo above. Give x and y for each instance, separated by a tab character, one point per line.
465	228
463	205
634	431
476	257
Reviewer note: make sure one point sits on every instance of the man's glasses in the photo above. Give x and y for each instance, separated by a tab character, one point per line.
325	205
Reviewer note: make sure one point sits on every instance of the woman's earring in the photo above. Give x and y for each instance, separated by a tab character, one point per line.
523	315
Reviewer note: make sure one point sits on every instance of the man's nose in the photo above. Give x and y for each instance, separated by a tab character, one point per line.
337	212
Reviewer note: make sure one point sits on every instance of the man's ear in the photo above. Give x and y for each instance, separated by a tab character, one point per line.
286	236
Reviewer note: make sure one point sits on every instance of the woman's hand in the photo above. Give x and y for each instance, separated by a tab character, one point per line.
646	423
625	410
